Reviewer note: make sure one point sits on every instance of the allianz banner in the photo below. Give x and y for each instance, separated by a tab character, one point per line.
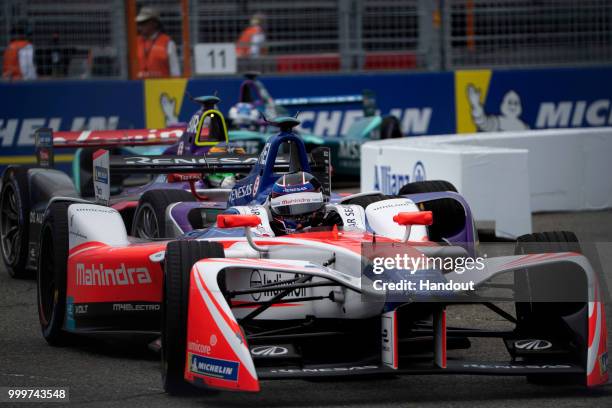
489	101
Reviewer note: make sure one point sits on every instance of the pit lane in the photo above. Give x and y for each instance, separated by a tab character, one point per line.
123	374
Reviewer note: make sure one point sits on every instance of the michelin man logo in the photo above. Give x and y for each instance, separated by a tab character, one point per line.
168	106
510	109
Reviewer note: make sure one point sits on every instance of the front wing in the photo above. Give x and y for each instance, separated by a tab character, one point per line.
218	353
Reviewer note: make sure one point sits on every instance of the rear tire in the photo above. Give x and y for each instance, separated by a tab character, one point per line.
150	216
51	274
15	222
366	200
448	214
180	258
390	128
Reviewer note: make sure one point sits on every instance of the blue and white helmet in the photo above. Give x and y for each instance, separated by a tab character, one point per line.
244	115
296	202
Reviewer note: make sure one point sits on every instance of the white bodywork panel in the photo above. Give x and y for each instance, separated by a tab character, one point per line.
95	223
380	217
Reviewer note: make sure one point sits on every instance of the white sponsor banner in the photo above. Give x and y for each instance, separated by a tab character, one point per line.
503	176
494	181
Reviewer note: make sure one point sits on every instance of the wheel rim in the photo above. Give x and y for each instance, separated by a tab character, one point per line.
9	229
47	290
147	226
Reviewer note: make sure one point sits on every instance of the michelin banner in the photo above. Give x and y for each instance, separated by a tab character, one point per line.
491	101
421	102
424	103
63	105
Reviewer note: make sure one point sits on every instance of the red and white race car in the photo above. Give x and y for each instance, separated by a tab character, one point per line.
239	304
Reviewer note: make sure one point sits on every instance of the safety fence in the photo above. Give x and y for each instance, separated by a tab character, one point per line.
89	38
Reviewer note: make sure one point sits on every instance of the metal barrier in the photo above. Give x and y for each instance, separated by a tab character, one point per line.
88	38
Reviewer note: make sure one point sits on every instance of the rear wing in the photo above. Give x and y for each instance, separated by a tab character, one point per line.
319	100
164	164
104	165
367	100
46	140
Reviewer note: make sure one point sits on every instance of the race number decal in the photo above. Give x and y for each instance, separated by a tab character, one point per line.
353	216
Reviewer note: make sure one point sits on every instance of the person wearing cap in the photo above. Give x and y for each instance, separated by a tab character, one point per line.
250	42
18	61
157	56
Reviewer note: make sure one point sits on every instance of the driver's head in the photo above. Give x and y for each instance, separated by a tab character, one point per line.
296	202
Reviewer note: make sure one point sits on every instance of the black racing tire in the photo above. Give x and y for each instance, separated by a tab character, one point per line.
150	216
544	318
534	314
448	214
180	257
15	222
51	274
366	200
390	128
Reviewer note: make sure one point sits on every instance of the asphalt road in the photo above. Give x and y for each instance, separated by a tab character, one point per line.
118	375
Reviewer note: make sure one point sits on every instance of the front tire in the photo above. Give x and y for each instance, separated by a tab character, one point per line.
51	274
543	318
179	260
15	222
448	214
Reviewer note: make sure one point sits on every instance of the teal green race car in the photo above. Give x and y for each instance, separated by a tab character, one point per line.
248	127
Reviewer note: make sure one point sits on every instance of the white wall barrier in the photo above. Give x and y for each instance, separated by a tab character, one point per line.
504	176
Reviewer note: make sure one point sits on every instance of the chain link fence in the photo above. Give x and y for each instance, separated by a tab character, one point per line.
515	33
71	38
88	38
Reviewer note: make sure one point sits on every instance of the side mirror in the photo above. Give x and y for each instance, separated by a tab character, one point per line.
409	219
414	218
246	221
237	220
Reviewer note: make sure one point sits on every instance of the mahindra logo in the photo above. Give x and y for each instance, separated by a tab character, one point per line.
532	344
98	275
269	351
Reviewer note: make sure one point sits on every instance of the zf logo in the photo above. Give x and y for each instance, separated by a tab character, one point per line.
535	345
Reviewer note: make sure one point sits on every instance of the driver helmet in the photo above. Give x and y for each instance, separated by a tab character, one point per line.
243	115
296	202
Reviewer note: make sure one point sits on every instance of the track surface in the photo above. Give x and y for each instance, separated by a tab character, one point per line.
118	375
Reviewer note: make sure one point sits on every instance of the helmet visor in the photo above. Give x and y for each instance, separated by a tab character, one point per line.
297	204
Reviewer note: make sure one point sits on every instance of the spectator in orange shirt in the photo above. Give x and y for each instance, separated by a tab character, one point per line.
250	42
18	62
157	56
